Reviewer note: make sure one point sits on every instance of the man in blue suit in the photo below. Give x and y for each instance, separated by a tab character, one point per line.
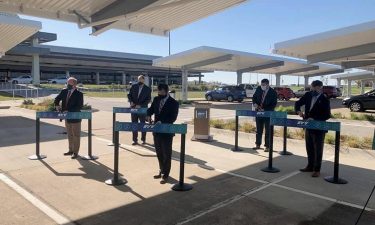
317	107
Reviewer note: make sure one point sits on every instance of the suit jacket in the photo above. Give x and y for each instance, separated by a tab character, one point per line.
270	100
321	109
74	104
168	113
144	97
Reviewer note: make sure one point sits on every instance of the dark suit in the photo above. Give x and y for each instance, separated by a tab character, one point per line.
140	100
73	127
321	111
269	104
163	142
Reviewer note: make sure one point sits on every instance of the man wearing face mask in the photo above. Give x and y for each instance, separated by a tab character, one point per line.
139	96
71	101
165	109
317	107
264	99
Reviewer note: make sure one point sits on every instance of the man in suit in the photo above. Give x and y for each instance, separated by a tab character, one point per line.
72	101
264	99
317	107
139	96
165	109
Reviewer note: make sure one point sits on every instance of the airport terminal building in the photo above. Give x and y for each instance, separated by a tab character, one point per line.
89	66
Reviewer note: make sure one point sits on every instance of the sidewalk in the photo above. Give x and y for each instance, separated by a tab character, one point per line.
229	187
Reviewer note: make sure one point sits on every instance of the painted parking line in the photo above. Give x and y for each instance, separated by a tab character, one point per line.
50	212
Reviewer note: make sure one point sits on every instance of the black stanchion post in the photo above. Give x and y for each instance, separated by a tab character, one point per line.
116	180
335	178
181	186
113	129
284	151
90	156
236	148
37	155
270	168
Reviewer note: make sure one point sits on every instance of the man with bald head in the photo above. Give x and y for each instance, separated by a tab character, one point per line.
71	101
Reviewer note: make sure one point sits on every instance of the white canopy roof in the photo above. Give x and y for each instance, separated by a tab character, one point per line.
351	47
364	75
217	59
15	30
147	16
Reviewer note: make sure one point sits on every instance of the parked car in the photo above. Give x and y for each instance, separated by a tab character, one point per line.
249	89
230	93
301	92
360	103
26	79
284	93
58	80
330	91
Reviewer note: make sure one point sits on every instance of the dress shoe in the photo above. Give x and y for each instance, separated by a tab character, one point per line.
164	180
158	176
135	143
306	169
256	147
316	174
74	155
68	153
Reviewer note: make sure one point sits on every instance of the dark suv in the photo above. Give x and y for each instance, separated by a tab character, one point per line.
360	102
229	93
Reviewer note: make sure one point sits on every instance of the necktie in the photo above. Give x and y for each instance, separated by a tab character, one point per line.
68	97
162	101
263	96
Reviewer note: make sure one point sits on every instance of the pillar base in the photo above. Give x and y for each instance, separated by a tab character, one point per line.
117	182
183	187
285	153
37	157
270	170
332	180
88	157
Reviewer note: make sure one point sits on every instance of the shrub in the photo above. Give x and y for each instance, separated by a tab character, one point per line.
358	116
248	127
298	134
28	102
230	125
338	115
217	124
330	139
288	109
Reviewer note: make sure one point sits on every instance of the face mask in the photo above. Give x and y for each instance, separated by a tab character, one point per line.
162	96
69	86
263	88
140	82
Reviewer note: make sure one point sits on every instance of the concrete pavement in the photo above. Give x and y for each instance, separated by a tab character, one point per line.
229	187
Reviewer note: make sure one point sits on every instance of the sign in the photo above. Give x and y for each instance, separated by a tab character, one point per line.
268	114
130	110
306	124
64	115
157	128
201	113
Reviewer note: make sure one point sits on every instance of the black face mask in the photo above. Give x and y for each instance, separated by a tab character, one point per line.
162	96
69	87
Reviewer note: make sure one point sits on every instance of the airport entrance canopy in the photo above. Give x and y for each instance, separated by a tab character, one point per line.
364	75
350	47
15	30
216	59
156	17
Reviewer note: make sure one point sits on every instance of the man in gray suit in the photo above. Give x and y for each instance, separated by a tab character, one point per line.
139	96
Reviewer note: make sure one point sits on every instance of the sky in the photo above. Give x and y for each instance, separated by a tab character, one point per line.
253	27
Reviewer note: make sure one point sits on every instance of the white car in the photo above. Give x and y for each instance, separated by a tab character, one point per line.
249	88
26	79
58	80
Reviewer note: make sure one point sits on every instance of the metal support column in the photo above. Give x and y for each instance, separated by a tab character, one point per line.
306	81
349	88
362	87
123	78
97	78
184	90
35	68
278	80
239	78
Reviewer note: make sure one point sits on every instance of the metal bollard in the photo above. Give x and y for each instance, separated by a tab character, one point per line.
116	180
270	168
181	186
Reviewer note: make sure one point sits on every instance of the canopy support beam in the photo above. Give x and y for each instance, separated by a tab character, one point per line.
300	70
209	61
262	67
